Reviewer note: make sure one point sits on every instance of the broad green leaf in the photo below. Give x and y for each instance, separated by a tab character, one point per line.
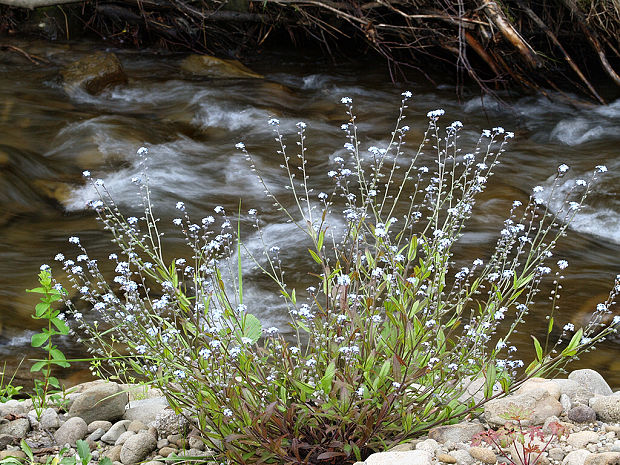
84	451
252	327
571	349
491	377
319	245
39	339
27	450
38	366
326	380
41	308
61	325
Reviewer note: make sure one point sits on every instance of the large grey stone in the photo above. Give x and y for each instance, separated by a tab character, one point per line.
538	402
536	383
73	429
17	428
168	423
593	380
582	438
603	458
100	402
576	392
137	448
49	419
461	432
13	407
607	408
410	457
145	410
576	457
115	431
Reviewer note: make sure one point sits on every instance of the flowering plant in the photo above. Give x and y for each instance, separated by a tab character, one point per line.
385	342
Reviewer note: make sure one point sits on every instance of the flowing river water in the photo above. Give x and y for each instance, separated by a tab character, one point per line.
190	125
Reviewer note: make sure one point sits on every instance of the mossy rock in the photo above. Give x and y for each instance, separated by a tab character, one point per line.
210	66
94	73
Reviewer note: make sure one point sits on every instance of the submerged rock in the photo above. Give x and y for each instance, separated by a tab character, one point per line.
94	73
206	65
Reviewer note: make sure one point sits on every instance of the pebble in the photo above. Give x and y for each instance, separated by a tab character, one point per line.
582	414
604	458
122	439
580	439
95	425
162	443
166	451
137	447
446	458
576	457
136	425
462	457
483	454
96	435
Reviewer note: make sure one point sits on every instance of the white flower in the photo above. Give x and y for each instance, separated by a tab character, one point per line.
177	221
343	280
580	182
142	151
407	94
301	125
562	264
273	122
227	412
86	174
74	240
434	114
180	206
563	168
218	209
538	189
59	257
346	100
569	327
45	267
240	145
601	168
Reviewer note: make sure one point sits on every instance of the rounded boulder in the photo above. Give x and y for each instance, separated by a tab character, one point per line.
101	402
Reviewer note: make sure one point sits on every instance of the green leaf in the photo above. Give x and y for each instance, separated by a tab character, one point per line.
27	450
84	451
61	325
38	290
571	349
39	339
319	244
539	351
550	326
328	377
105	461
41	308
57	355
252	327
315	257
491	377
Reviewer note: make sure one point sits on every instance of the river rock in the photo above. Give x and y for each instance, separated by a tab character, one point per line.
576	457
166	451
96	435
100	402
12	407
114	454
483	454
17	428
541	404
136	425
49	419
446	458
169	423
461	432
122	439
429	445
99	424
607	408
145	410
540	383
567	404
7	439
593	380
12	453
582	414
209	66
73	429
137	448
462	457
582	438
603	458
411	457
577	393
557	453
115	431
94	73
